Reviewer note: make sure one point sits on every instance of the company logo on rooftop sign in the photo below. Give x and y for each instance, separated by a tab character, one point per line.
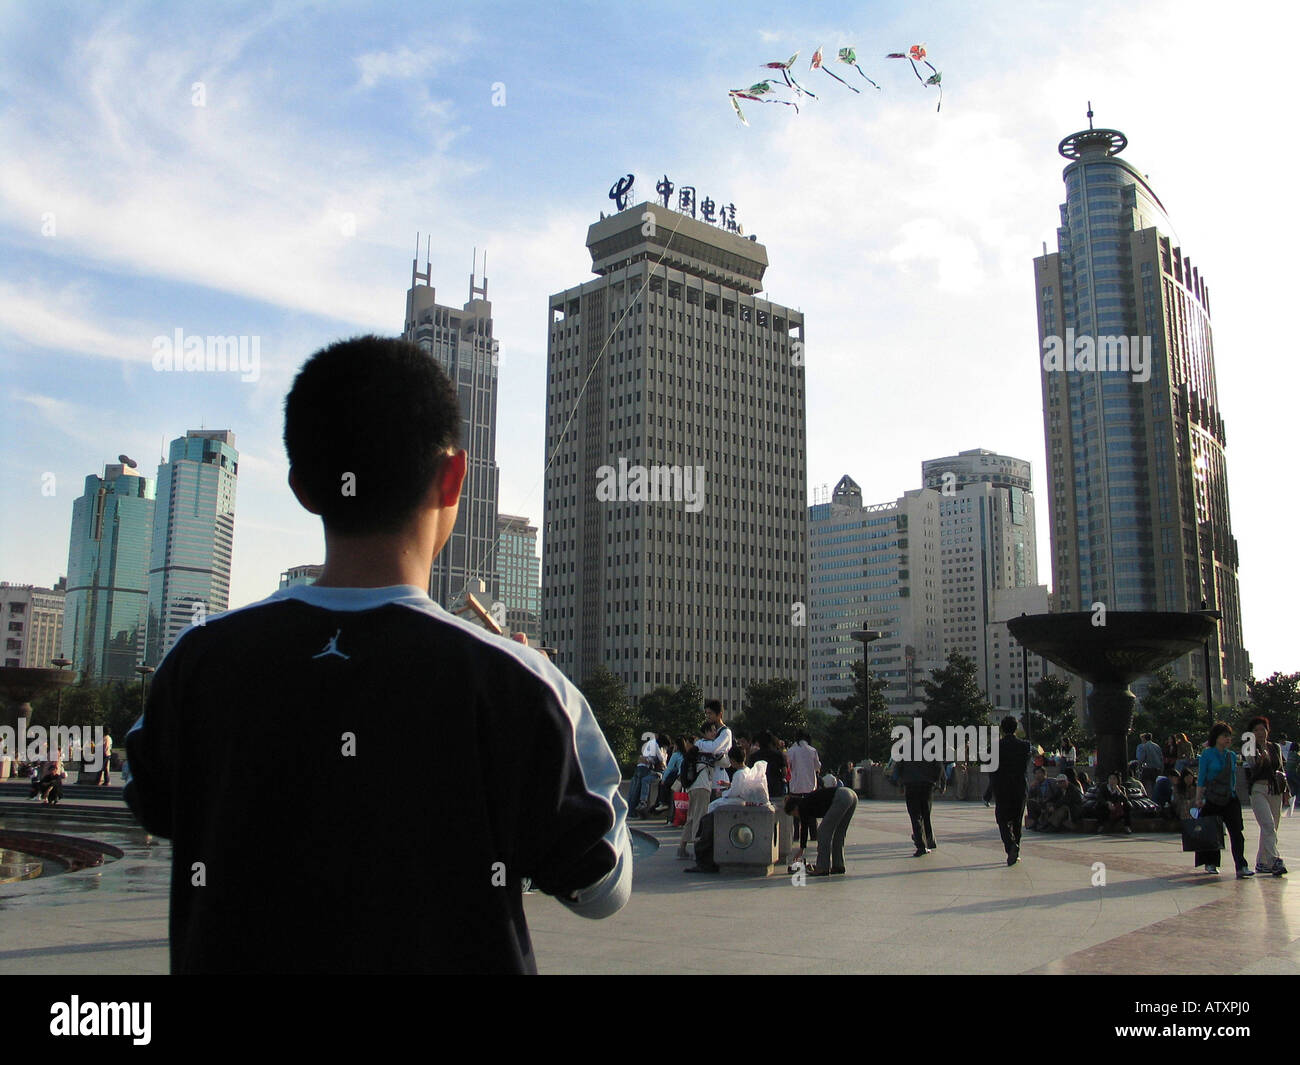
688	202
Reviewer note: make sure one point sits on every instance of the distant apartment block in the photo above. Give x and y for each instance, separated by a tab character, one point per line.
874	567
33	623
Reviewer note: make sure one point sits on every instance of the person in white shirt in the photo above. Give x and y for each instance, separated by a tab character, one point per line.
804	765
107	754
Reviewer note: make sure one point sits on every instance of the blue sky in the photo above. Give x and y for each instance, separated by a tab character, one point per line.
286	207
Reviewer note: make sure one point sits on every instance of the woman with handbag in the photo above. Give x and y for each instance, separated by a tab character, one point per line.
1266	782
1216	796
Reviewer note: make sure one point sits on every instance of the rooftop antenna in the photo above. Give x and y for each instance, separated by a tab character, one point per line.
415	263
478	290
1090	114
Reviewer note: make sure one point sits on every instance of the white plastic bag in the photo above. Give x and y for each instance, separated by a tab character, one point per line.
749	785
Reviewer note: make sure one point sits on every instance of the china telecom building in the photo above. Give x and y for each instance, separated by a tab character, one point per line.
677	364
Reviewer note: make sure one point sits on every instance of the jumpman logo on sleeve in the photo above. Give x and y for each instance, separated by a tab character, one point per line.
332	647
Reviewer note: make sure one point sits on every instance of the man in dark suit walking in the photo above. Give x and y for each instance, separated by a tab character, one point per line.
1009	788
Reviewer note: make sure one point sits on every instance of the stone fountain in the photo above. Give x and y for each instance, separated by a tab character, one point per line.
1110	651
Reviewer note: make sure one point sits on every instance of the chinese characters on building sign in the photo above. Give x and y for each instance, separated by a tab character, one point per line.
688	201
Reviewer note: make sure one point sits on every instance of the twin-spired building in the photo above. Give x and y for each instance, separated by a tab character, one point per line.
1136	477
462	341
676	478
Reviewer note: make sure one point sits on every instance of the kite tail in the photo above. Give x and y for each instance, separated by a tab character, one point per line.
800	88
859	69
841	80
916	71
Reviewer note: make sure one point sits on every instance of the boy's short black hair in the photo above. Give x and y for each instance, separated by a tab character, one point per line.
1009	725
379	409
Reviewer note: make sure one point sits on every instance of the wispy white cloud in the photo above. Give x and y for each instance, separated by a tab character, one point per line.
402	63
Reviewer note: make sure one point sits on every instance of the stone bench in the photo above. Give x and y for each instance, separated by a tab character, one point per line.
746	839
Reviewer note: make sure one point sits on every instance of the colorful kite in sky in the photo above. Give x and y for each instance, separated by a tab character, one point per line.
816	64
756	92
913	55
849	56
784	68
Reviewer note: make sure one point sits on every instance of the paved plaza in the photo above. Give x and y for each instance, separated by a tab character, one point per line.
957	910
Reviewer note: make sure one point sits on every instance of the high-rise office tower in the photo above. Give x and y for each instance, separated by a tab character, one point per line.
675	516
874	567
519	573
987	544
106	609
461	339
33	623
193	536
1137	483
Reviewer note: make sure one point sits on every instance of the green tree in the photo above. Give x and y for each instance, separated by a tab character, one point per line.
1052	719
1171	705
122	710
775	706
846	735
687	711
607	696
653	709
953	695
1278	699
677	712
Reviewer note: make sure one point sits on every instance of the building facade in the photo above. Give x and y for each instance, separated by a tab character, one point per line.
519	575
1137	480
106	609
988	544
461	339
675	496
1008	662
33	623
193	536
874	567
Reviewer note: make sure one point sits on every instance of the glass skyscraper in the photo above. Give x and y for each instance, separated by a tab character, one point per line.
519	574
1137	482
107	603
193	536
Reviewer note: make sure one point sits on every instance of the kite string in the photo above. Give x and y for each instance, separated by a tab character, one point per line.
479	567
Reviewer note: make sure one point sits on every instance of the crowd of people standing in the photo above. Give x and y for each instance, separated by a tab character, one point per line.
1173	779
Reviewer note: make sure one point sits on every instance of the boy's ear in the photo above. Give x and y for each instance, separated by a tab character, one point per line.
450	477
300	493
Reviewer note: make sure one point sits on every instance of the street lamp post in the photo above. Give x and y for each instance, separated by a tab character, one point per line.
866	637
1024	669
144	671
60	663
